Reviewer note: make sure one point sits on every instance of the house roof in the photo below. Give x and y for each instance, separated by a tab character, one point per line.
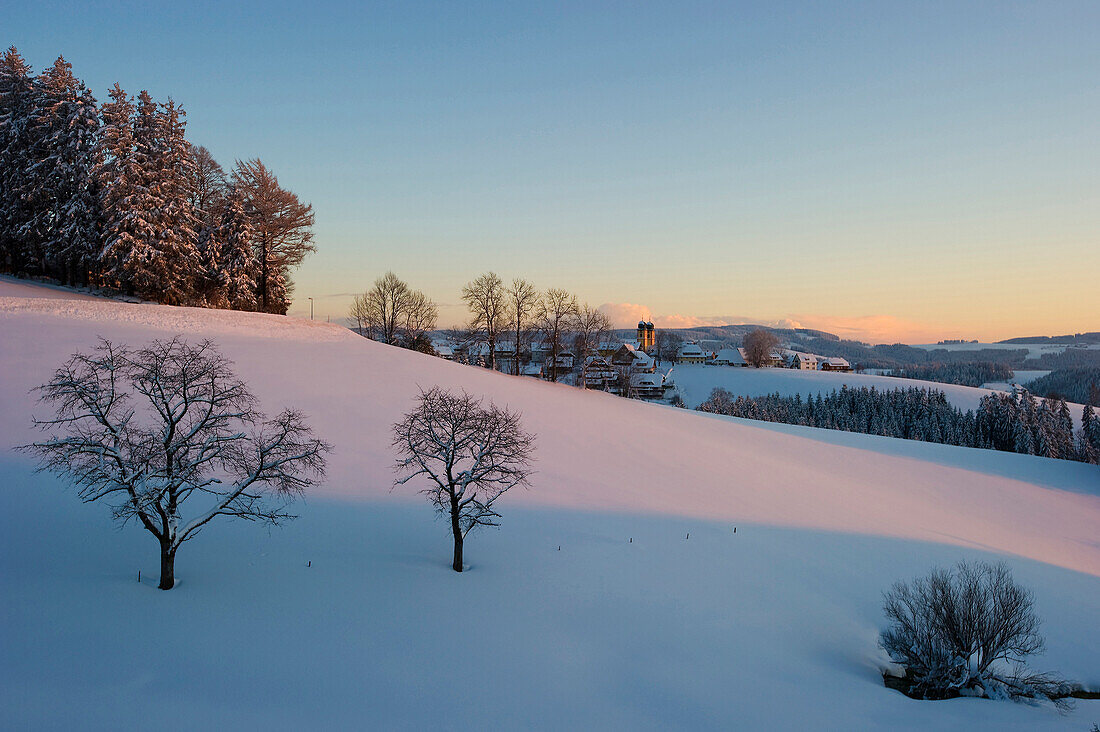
733	355
647	380
690	349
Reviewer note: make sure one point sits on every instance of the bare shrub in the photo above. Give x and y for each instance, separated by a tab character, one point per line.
966	632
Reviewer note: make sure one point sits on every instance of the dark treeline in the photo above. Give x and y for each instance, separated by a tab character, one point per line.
114	197
900	355
1016	422
1091	337
966	374
1075	385
1071	358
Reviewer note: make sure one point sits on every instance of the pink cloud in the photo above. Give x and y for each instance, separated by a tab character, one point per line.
625	314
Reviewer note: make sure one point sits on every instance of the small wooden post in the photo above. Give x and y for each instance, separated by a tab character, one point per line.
139	575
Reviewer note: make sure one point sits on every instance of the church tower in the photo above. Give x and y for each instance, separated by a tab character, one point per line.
647	337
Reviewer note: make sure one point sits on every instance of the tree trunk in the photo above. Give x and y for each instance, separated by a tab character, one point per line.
167	567
456	529
263	275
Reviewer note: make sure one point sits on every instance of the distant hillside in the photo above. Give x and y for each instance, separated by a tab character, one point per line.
861	355
1090	337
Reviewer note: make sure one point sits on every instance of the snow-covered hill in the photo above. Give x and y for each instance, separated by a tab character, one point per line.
773	626
695	382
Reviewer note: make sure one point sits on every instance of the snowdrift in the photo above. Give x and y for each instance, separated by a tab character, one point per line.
688	625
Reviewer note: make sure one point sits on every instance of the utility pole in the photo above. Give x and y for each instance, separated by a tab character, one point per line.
311	308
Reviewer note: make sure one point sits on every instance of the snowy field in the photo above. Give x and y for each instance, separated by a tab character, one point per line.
695	382
1023	378
771	627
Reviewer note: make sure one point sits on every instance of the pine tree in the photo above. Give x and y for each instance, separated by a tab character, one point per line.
151	228
17	103
176	221
123	192
228	259
1088	439
66	224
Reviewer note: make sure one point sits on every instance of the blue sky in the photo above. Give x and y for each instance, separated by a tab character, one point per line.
891	171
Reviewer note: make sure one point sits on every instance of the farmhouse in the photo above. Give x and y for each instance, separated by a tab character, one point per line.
834	363
598	372
690	352
730	357
629	357
647	386
775	359
803	361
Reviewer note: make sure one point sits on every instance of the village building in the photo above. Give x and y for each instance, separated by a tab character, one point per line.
803	361
647	386
834	363
690	352
531	369
629	357
775	359
563	362
598	373
730	357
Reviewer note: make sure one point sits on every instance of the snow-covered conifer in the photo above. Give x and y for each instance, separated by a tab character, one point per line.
66	221
17	103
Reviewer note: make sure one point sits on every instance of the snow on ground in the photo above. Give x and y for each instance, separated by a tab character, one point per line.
773	626
1023	378
695	382
14	287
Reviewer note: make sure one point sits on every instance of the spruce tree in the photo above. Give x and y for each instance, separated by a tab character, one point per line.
66	224
17	103
237	256
123	193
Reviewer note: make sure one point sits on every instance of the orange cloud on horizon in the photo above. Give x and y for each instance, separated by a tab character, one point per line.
867	328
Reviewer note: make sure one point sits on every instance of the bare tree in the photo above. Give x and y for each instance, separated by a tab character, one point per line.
150	429
420	316
591	325
668	343
392	312
523	299
469	453
209	185
487	300
759	345
556	311
282	231
959	630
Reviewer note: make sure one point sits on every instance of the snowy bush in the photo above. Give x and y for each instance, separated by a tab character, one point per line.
966	632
